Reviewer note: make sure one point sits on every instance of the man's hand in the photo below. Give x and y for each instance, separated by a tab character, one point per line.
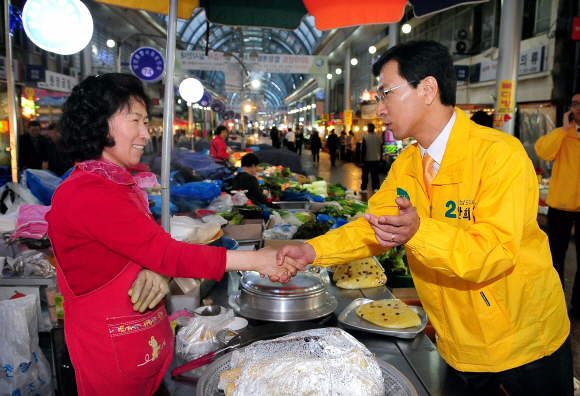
566	123
148	290
267	266
392	231
298	256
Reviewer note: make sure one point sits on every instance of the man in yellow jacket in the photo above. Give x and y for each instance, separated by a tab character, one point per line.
562	146
464	202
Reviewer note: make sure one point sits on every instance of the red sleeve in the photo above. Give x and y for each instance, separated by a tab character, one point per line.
111	218
220	147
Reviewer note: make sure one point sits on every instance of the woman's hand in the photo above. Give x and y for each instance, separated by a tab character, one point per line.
267	266
148	290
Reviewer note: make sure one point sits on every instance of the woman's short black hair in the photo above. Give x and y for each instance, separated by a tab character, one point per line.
420	59
220	129
250	159
84	123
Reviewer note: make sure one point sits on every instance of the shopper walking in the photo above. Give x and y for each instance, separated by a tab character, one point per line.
562	146
464	202
299	141
315	147
103	235
290	138
371	157
32	148
332	144
275	136
342	142
348	142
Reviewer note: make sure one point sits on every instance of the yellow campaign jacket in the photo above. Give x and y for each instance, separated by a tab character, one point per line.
562	147
480	263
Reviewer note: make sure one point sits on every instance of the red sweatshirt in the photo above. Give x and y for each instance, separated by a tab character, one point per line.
218	149
96	227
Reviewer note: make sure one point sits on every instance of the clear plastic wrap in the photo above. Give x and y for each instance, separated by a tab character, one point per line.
281	232
199	336
319	362
186	229
221	204
31	263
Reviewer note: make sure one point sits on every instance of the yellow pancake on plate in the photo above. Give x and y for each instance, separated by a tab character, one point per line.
392	314
362	274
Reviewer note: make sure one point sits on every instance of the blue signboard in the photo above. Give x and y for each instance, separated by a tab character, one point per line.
34	73
148	64
462	74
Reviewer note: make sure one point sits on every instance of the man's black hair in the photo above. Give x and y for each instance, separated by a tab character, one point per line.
371	127
33	124
51	126
420	59
250	159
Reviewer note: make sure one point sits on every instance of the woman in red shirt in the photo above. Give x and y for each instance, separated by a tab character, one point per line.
218	148
103	235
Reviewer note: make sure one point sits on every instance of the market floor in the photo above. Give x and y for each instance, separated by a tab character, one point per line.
349	175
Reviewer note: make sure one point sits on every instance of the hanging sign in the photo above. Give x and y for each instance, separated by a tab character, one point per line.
57	82
348	117
64	27
507	97
147	64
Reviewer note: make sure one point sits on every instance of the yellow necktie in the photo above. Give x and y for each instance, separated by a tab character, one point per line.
428	172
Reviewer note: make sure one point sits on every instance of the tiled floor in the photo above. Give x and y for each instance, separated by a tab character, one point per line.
349	175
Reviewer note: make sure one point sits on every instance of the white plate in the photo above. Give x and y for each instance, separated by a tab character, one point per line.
350	319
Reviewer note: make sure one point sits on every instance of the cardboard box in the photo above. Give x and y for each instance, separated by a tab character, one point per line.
405	293
279	243
252	230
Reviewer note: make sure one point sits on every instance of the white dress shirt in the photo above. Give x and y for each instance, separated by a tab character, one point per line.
437	148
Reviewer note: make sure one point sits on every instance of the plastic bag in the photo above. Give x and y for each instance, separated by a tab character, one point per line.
215	218
325	218
156	210
239	199
198	337
291	219
25	368
14	195
295	196
281	232
196	195
221	204
42	184
339	223
32	263
186	229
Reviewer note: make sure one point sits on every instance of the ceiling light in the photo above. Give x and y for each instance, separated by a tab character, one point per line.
247	108
406	28
372	49
329	76
254	55
256	83
111	43
338	70
354	61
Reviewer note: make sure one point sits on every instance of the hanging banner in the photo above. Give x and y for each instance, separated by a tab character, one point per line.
268	63
348	117
147	64
369	112
507	97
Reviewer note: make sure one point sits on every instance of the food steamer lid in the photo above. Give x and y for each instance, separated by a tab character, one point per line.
303	284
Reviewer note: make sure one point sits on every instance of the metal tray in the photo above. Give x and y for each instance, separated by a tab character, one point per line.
350	319
291	205
396	384
271	316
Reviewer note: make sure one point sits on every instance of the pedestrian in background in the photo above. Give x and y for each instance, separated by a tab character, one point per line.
33	148
290	138
315	147
342	141
332	144
275	136
371	156
348	142
562	146
299	141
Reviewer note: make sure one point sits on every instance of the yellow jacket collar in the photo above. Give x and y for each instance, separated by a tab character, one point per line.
451	169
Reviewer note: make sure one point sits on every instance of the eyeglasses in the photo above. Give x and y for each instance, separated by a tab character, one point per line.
381	95
575	105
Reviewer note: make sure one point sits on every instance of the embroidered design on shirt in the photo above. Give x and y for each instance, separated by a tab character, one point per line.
136	325
155	353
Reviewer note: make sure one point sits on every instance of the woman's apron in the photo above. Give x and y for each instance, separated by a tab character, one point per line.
115	350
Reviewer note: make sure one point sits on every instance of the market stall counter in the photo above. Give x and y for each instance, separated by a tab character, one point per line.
417	359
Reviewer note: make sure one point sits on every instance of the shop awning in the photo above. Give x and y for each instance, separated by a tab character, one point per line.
179	122
287	14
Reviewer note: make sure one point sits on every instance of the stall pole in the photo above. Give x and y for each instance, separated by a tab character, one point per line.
168	113
242	78
190	122
12	120
510	34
